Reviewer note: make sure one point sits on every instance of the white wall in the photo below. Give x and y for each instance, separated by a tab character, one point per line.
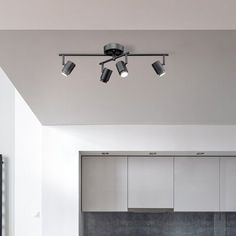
7	147
20	144
60	191
28	146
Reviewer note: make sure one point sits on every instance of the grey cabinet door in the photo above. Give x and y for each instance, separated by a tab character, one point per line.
228	184
150	182
196	184
104	183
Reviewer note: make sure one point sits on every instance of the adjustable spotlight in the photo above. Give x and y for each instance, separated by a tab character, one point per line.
67	68
158	67
106	74
122	69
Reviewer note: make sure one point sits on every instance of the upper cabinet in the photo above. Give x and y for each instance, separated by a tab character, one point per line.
227	184
196	184
150	182
119	183
104	183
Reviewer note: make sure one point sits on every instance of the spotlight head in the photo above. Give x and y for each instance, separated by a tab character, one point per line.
122	69
159	69
68	68
106	74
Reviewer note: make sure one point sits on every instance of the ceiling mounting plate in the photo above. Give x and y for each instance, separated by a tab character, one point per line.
113	49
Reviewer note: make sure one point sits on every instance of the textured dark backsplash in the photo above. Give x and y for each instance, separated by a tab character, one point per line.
159	224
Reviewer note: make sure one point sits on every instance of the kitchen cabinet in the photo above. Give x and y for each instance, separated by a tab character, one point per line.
150	182
196	184
227	184
104	183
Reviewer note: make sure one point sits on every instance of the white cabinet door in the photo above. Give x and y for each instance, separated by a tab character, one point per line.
196	184
104	183
228	184
150	182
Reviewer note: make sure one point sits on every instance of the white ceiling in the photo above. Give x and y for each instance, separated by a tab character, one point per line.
199	87
122	14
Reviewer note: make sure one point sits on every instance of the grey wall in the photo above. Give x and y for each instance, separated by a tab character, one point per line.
159	224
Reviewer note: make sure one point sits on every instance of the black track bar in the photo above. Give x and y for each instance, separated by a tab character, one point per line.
102	55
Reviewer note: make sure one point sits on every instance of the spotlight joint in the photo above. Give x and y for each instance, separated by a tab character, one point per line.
163	60
63	60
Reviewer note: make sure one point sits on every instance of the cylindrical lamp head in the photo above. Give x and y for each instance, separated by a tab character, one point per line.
122	69
67	68
106	74
158	67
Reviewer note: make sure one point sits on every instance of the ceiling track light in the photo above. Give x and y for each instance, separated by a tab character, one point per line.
114	51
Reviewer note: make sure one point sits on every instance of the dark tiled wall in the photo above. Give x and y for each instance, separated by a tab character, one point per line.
230	219
159	224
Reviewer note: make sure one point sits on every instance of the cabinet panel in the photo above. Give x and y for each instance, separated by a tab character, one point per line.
150	182
104	183
196	184
228	184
